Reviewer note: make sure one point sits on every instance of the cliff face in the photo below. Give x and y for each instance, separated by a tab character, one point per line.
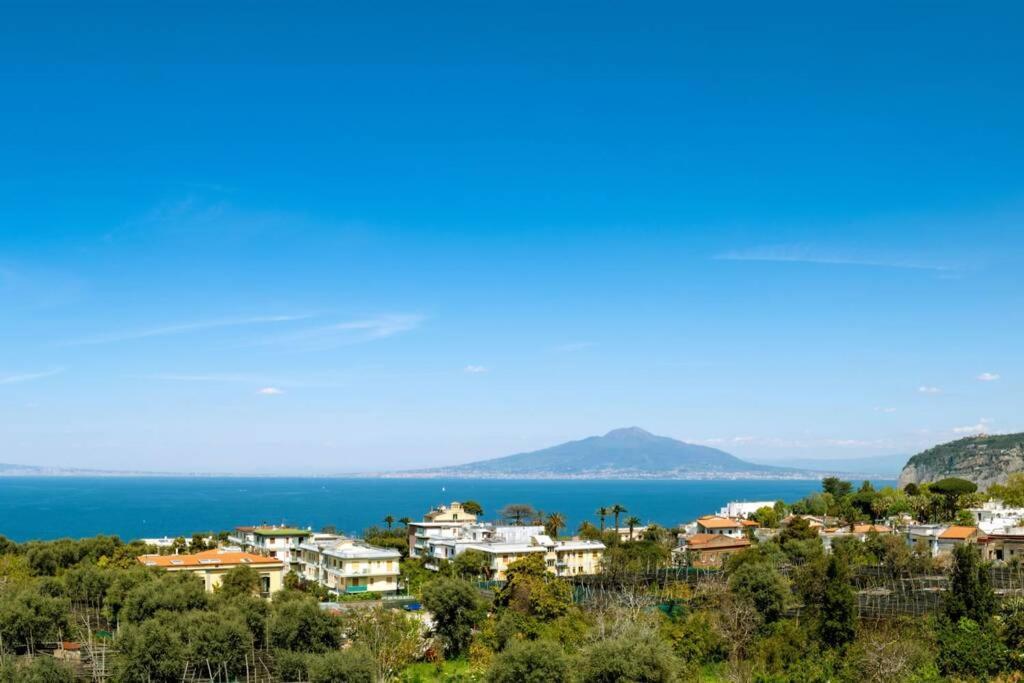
985	460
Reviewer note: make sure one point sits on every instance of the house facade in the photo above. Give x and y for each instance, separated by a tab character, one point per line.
279	542
345	566
212	565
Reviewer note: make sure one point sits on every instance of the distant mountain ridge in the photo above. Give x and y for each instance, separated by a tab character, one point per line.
984	459
627	452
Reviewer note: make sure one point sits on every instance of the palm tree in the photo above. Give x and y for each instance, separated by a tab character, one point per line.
405	521
632	523
618	510
602	512
555	522
389	520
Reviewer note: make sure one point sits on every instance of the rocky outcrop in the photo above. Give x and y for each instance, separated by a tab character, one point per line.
985	460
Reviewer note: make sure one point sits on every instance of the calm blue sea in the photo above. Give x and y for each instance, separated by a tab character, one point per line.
48	507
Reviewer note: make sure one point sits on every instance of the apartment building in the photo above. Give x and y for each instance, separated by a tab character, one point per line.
212	565
279	542
562	558
345	565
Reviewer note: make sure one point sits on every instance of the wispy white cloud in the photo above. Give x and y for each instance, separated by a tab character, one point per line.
796	253
270	391
924	389
987	377
184	328
884	409
29	376
981	428
474	369
345	333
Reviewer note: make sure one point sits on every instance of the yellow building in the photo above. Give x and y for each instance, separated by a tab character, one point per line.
563	558
449	513
344	565
212	565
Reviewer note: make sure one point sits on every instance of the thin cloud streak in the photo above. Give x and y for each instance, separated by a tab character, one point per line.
30	376
804	254
240	378
184	328
346	333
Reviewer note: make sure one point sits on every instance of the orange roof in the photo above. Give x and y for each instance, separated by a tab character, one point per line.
707	541
712	522
868	528
749	522
958	533
207	558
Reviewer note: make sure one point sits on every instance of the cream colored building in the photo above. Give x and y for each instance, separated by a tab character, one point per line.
449	513
563	558
344	565
279	542
212	565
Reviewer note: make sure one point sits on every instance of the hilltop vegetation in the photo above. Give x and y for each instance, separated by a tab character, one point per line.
985	460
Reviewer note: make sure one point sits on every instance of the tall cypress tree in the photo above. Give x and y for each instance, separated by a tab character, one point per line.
838	625
970	587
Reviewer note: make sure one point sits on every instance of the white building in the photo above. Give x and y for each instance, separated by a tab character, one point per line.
345	565
279	542
995	517
744	509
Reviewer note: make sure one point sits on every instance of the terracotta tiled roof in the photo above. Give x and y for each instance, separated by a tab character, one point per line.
958	533
713	522
207	558
714	541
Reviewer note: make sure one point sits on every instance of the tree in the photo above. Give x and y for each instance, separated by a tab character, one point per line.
1011	493
532	590
405	521
240	580
838	624
471	564
766	516
602	513
970	651
952	489
616	511
836	487
152	651
473	508
588	532
798	528
634	656
517	512
353	665
554	524
390	637
763	586
632	522
456	609
29	618
218	641
171	592
299	624
540	661
912	489
970	592
389	521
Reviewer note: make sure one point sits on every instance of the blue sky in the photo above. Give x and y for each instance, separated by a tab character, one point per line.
313	238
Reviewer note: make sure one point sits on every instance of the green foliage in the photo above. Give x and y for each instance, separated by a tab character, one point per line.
836	487
763	587
970	592
240	580
456	608
390	638
530	589
171	591
539	661
473	508
838	625
300	624
695	639
517	512
1011	493
970	650
353	665
152	651
29	618
799	529
767	517
35	670
471	564
634	656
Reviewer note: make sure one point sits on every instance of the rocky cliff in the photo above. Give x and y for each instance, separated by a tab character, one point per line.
985	460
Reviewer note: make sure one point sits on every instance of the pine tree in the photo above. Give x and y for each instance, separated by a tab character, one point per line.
838	624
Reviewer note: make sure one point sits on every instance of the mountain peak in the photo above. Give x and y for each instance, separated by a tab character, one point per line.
628	433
